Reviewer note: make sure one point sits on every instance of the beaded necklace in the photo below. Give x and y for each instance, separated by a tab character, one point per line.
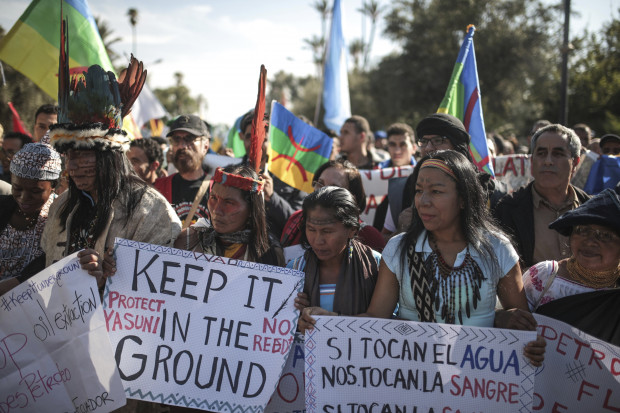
467	275
30	221
590	278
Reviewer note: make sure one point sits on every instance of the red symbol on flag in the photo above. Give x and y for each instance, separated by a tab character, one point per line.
298	148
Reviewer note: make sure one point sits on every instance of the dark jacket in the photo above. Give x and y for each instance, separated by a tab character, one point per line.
515	213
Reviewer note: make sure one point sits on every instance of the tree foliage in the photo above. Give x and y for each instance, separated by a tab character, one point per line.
594	96
177	99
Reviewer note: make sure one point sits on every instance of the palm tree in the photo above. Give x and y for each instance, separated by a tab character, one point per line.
356	49
372	10
322	7
133	20
106	36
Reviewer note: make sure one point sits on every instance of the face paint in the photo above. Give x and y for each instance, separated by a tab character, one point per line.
81	165
229	210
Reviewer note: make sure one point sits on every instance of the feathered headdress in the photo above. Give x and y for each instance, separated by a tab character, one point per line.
92	105
256	145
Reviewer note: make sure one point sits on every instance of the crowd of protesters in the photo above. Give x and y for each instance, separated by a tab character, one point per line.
445	229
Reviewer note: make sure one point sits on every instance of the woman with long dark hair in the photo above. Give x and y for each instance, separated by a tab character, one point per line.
341	272
453	260
237	226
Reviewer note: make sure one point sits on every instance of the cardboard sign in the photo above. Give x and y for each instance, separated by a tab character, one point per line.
513	170
580	373
199	331
383	365
55	355
289	396
376	187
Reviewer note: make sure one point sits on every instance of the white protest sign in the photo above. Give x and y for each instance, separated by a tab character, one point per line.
289	396
55	355
376	187
364	364
199	331
580	373
513	170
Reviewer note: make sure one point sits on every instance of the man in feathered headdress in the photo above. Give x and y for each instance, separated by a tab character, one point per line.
105	199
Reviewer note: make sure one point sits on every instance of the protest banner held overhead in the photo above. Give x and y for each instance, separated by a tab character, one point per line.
580	373
55	355
199	331
365	364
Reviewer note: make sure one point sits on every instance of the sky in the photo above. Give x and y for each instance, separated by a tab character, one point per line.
220	45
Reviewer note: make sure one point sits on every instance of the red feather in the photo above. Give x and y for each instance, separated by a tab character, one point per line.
132	84
258	123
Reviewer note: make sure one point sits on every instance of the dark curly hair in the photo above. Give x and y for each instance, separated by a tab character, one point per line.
336	199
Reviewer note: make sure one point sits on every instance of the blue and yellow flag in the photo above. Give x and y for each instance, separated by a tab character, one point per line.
462	100
296	148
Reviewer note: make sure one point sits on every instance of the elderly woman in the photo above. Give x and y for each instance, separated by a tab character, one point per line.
453	261
238	227
35	170
341	272
344	174
594	237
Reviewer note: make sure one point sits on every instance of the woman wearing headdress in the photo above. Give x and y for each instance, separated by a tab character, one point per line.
35	170
238	226
105	199
452	261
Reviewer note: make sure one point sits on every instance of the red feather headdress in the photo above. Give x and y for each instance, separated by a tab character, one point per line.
92	104
256	145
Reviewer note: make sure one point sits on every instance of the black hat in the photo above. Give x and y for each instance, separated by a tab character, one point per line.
603	209
191	124
444	125
609	137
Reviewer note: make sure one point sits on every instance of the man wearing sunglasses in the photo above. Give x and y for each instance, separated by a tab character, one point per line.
189	143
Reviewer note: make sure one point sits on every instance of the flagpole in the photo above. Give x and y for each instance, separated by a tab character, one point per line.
566	48
317	108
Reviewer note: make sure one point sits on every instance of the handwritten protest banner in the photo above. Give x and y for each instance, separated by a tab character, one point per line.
199	331
580	373
55	355
513	170
376	187
363	364
289	396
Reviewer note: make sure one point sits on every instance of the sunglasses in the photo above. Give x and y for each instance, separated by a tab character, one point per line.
598	234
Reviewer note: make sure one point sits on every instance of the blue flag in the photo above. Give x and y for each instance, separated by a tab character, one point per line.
605	173
462	100
336	84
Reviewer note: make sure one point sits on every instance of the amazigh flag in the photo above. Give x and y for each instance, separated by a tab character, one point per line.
32	44
234	140
462	100
297	149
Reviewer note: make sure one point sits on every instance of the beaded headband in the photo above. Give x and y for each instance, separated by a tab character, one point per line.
236	181
436	163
